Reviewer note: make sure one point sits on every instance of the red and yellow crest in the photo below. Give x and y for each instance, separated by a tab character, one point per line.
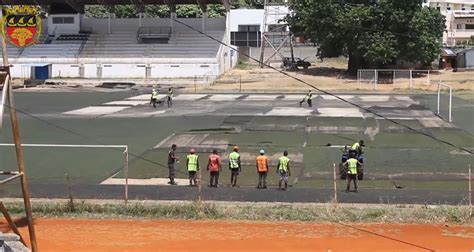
21	25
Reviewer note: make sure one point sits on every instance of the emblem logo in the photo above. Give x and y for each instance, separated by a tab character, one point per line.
21	25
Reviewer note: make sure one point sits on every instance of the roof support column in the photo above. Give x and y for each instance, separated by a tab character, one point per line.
203	7
172	14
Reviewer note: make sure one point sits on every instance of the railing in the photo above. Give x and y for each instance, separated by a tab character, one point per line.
153	33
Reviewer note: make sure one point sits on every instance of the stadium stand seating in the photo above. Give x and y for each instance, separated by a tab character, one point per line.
181	44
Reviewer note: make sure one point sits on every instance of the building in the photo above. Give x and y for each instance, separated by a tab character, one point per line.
75	46
459	19
465	58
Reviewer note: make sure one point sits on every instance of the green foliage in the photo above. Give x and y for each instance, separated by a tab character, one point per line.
156	11
371	33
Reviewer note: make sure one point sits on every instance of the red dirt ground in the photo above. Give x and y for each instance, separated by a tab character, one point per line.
187	235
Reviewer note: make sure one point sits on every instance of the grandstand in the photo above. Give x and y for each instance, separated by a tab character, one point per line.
74	46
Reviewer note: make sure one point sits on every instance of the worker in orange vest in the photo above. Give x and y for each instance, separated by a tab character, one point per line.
214	166
262	170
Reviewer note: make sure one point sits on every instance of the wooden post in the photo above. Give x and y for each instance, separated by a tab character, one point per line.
335	184
199	186
18	149
15	230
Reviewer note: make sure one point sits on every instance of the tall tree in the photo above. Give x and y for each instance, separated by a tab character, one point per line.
371	33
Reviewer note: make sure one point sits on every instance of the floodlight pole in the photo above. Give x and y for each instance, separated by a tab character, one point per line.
18	149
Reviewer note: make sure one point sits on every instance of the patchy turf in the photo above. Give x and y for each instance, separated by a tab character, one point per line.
390	149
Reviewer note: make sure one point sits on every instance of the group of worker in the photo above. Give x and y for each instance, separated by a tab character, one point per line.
169	100
214	166
154	97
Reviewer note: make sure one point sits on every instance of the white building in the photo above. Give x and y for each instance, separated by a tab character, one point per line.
459	19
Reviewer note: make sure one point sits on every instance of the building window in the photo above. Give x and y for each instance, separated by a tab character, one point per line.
249	28
458	26
469	26
448	8
63	20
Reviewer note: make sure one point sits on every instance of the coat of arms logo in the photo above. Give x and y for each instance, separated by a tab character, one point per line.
21	25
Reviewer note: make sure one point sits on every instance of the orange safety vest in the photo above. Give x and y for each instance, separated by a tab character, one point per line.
262	163
214	161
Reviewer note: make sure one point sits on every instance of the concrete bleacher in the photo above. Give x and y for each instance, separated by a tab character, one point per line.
182	44
13	51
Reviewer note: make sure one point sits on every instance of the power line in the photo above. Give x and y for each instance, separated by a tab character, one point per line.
329	93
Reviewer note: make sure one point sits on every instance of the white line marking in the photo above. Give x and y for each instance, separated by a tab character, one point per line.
95	110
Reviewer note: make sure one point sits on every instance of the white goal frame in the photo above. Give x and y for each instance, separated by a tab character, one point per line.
124	147
450	117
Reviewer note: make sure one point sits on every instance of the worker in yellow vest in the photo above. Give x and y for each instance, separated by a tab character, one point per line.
357	148
262	170
192	163
234	166
154	97
283	169
170	97
351	165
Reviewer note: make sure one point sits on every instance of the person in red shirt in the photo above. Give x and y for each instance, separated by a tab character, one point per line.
214	167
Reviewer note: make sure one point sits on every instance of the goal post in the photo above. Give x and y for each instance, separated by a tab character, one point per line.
439	103
124	149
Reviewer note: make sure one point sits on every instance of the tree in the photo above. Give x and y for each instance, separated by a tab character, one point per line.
371	33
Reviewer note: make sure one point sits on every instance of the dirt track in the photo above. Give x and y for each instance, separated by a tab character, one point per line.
188	235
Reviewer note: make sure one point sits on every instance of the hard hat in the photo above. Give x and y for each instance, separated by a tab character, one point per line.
236	148
192	151
262	151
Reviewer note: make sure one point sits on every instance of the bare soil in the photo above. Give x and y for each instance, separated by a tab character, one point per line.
329	75
187	235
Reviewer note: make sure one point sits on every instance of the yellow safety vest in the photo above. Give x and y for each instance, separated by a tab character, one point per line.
234	160
355	146
192	162
352	166
154	95
283	163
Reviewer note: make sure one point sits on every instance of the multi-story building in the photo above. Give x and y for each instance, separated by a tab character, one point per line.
459	19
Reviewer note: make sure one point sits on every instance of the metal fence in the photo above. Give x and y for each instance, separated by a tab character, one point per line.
397	78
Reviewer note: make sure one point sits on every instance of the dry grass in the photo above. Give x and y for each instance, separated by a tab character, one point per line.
329	212
328	75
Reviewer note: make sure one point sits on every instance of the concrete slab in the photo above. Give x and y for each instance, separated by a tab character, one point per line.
293	97
435	122
182	140
261	98
374	98
148	182
340	112
224	97
188	97
96	110
289	111
128	102
330	97
146	97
